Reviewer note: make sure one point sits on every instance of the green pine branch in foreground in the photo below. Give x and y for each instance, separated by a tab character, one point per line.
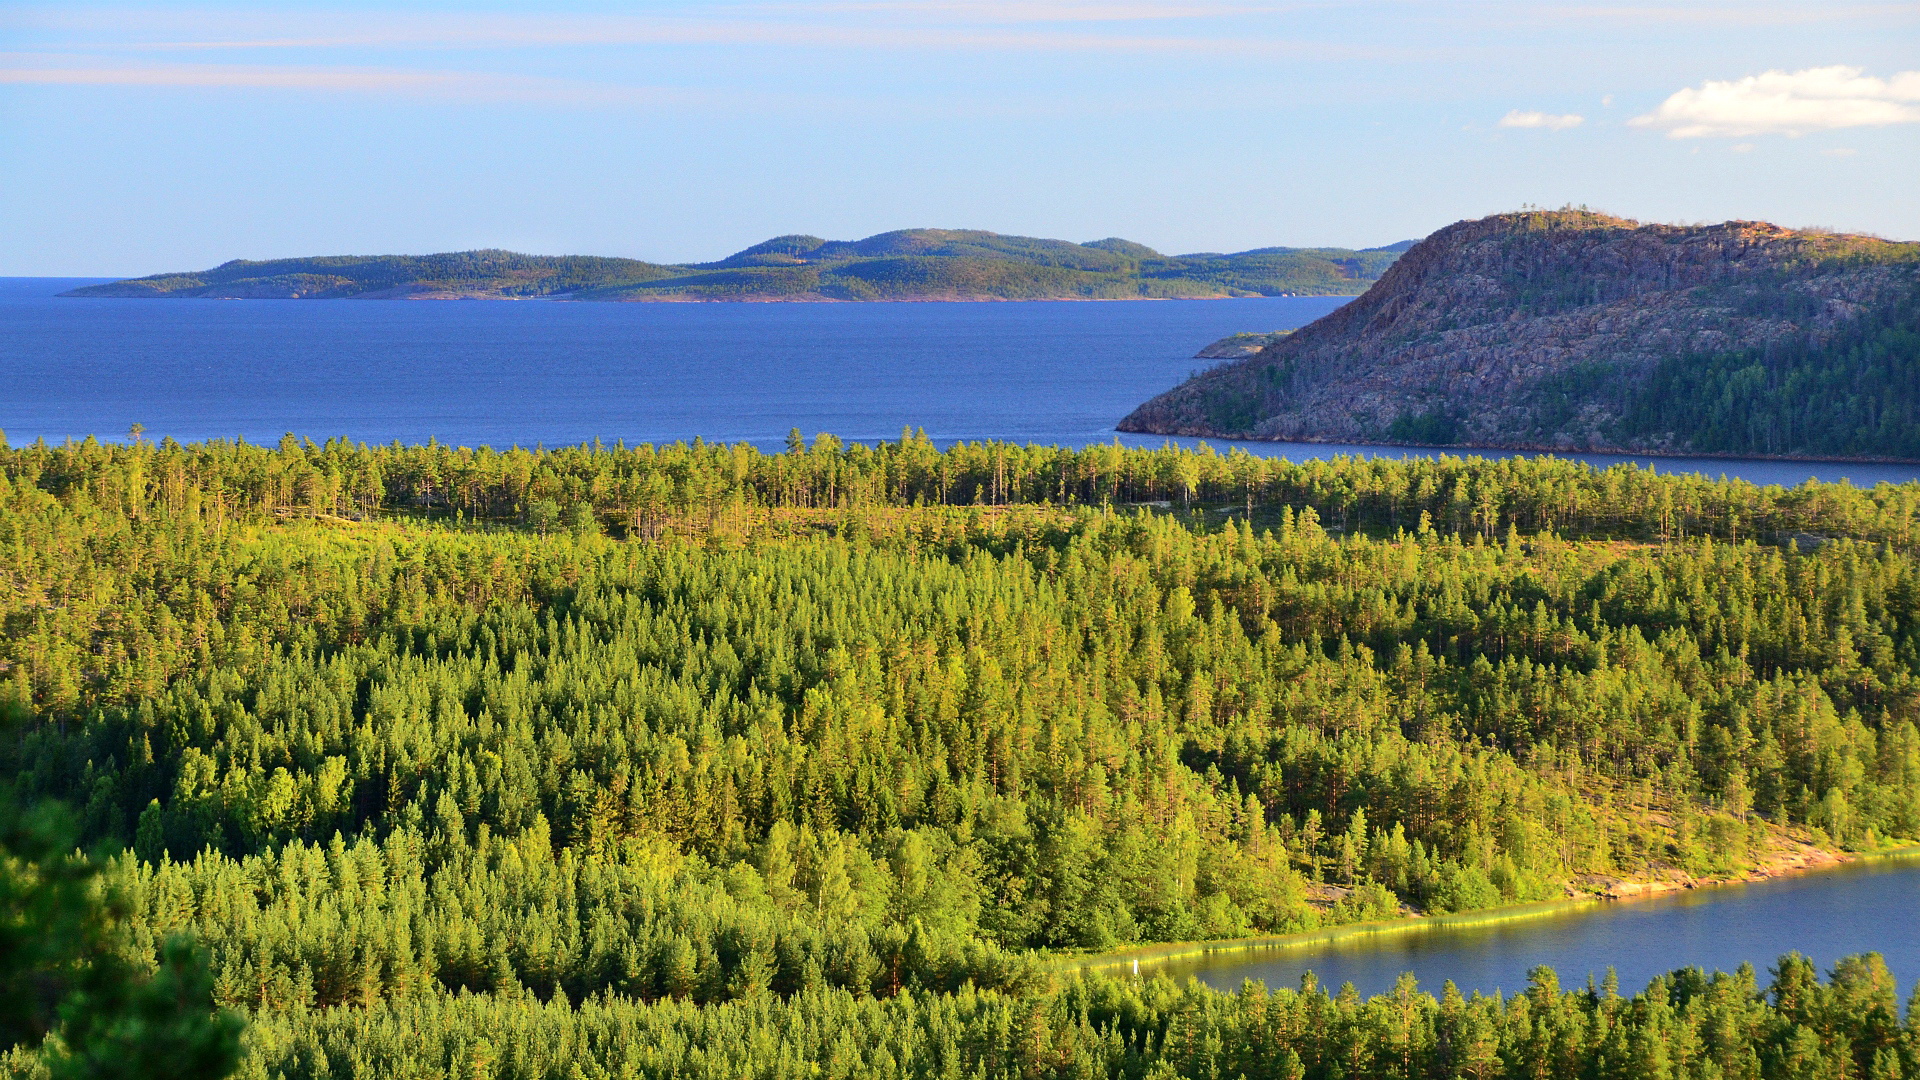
76	1006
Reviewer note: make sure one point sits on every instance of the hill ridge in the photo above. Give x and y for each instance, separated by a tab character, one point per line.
902	264
1575	330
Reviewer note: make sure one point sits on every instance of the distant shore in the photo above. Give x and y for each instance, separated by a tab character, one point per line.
1814	861
908	264
1467	449
564	298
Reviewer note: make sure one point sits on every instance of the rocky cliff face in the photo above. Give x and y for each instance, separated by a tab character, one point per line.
1529	330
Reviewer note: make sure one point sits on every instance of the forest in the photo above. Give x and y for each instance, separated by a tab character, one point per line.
698	760
1852	394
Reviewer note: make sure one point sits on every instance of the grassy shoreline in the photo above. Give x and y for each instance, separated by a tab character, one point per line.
1165	952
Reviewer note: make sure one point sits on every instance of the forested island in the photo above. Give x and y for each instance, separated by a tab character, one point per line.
1573	330
910	264
691	760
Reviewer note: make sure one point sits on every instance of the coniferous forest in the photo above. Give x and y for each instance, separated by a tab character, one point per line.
696	761
1850	395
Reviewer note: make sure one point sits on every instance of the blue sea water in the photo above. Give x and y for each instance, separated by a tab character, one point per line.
537	372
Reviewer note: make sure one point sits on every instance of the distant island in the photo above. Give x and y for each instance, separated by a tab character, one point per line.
1573	330
911	264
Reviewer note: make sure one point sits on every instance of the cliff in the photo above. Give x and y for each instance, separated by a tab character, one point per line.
1574	330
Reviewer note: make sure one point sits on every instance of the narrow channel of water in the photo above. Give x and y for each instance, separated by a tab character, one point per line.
1868	906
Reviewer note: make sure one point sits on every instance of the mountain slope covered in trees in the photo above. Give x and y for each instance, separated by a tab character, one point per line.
1574	330
911	264
693	760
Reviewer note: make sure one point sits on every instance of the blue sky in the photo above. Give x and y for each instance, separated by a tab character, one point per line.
143	137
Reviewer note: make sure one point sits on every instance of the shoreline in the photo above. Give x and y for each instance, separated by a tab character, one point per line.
1466	450
1165	952
569	298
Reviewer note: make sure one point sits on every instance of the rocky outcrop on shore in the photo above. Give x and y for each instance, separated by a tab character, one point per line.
1235	346
1785	857
1535	330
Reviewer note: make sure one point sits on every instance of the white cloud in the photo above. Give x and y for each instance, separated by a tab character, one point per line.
1788	103
1550	121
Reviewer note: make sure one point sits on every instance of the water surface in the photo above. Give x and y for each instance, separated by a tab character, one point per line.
527	372
532	372
1867	906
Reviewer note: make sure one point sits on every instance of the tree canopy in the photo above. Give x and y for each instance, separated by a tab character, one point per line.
696	760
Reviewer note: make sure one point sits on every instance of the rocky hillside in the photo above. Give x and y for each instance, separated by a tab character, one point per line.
1576	330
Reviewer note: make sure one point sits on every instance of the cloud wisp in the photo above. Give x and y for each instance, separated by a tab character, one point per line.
1549	121
449	86
996	27
1787	103
1061	11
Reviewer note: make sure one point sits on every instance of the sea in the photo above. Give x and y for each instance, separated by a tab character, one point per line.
548	373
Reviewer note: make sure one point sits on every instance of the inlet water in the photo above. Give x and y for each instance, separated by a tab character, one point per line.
1870	906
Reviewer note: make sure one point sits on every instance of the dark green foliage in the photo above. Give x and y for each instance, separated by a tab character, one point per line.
1854	394
72	999
1435	427
1232	411
121	1023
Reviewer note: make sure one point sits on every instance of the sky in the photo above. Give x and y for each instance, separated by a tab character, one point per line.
138	138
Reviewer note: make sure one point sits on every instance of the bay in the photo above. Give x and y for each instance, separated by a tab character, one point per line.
1871	905
505	373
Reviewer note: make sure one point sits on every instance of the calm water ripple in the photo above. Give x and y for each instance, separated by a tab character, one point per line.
1861	907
